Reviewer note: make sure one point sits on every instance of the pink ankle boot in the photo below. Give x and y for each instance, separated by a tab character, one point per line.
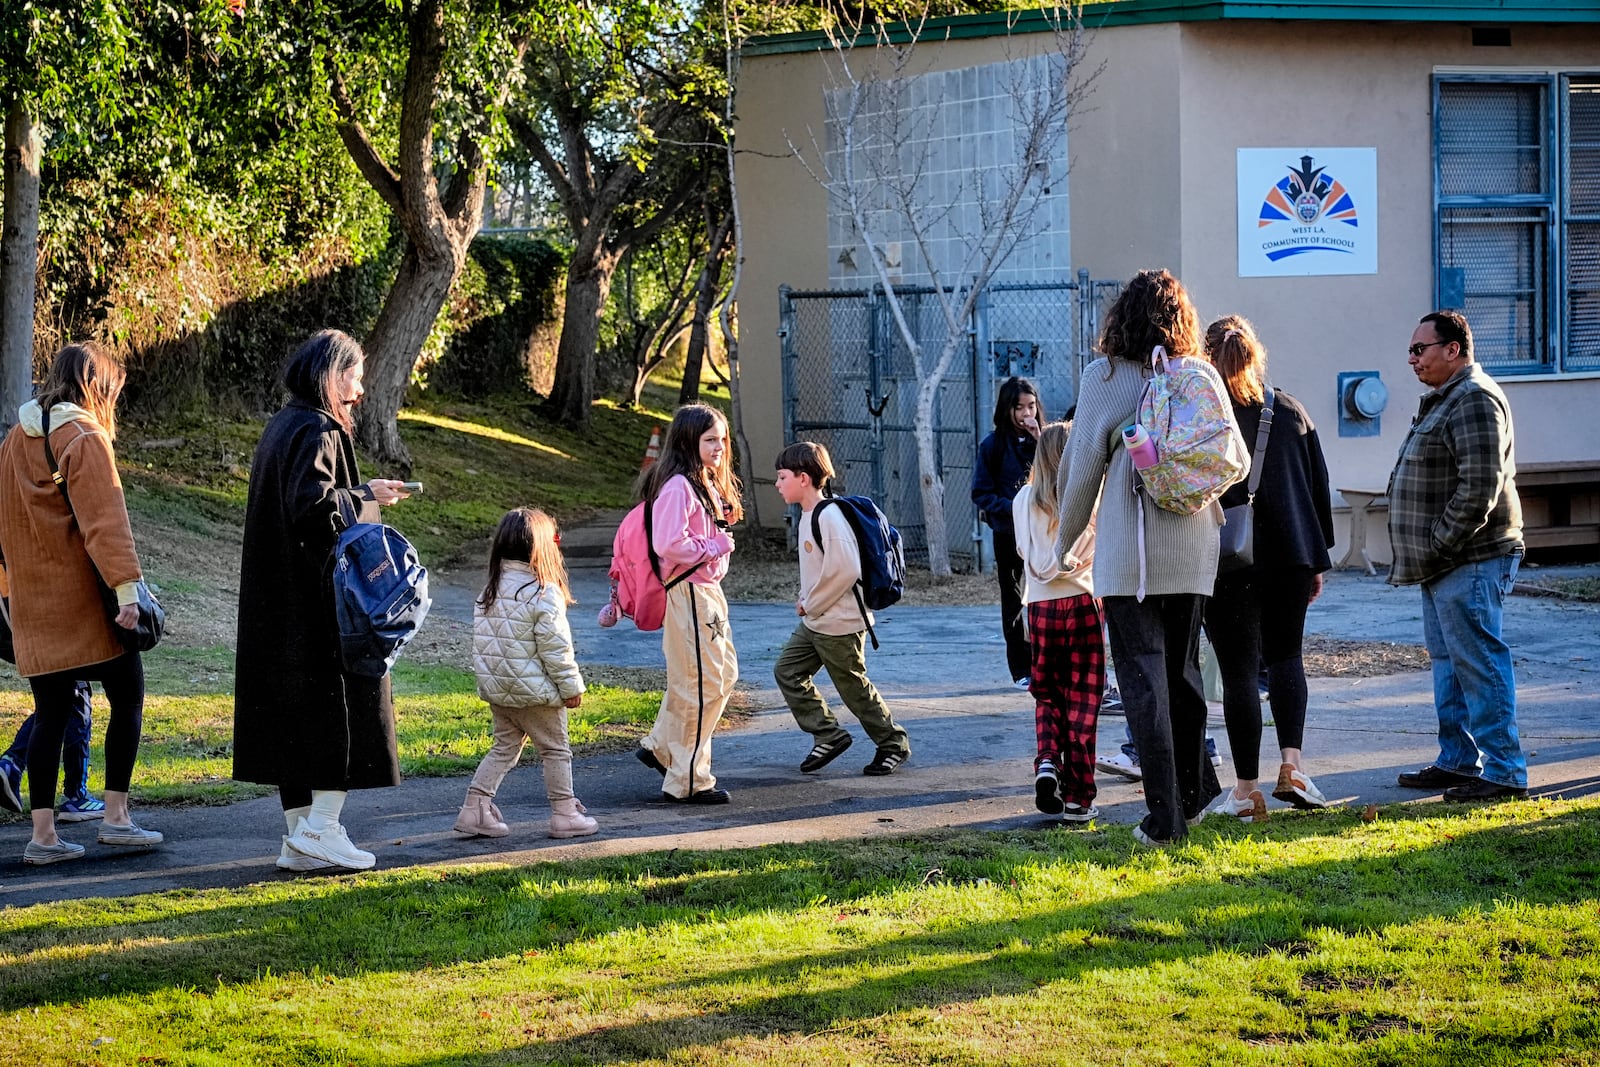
480	818
567	819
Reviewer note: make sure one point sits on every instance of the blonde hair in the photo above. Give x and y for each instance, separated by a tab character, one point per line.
1236	352
1046	463
527	535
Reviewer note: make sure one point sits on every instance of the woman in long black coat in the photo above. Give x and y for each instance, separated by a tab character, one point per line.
300	722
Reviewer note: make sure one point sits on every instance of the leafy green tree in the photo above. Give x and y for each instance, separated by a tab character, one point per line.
69	70
622	100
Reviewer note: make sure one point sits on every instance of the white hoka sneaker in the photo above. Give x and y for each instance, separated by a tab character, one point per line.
299	862
331	846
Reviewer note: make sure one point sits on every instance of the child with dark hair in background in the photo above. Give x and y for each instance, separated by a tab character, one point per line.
1069	657
833	624
1004	459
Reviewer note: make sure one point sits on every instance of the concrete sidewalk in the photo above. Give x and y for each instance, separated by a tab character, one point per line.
943	672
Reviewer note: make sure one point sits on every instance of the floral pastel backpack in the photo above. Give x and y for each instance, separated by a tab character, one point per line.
1199	450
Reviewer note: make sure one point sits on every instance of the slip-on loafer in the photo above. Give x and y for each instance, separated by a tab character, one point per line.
1478	789
1434	776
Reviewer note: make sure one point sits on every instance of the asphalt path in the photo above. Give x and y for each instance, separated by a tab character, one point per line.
942	670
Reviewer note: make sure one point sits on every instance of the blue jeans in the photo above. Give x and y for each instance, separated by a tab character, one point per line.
74	744
1474	688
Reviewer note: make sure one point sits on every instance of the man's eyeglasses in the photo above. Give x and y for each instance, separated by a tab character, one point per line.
1418	349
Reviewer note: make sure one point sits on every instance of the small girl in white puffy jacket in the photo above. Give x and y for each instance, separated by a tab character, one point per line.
522	655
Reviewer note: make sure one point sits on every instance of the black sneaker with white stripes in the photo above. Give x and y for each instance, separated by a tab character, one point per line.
824	753
885	762
1047	789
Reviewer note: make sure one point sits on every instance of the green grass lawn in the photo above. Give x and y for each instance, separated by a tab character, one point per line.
1432	935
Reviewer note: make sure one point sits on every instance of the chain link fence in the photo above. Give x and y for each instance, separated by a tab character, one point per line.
850	383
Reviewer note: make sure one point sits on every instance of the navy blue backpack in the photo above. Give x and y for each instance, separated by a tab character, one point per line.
883	559
380	594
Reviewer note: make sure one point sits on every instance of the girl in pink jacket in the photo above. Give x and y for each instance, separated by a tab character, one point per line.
693	498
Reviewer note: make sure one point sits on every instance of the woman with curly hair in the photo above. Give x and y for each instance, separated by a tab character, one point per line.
1154	638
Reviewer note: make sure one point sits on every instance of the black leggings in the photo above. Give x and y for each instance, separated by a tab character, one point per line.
1008	570
1258	617
55	700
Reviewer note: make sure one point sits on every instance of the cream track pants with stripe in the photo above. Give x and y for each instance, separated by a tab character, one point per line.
702	667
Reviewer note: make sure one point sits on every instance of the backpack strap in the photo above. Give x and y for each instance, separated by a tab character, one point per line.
650	547
816	535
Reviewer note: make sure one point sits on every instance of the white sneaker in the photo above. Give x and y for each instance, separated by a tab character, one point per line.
1118	763
1252	808
1297	789
332	846
299	862
1022	683
132	834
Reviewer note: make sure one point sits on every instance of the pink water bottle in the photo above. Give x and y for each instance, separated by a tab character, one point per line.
1141	446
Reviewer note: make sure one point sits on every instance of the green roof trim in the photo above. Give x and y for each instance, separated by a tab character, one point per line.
1098	13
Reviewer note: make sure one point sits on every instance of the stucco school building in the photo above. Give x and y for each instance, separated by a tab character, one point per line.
1330	170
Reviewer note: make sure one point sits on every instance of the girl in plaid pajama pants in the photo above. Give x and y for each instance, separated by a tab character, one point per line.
1069	660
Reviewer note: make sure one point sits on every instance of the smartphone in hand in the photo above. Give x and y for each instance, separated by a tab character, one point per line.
411	487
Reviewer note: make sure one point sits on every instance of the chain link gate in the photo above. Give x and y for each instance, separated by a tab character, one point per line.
849	383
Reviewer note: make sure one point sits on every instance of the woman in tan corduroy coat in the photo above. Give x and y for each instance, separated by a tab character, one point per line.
57	554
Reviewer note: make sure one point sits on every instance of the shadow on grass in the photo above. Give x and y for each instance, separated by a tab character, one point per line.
430	918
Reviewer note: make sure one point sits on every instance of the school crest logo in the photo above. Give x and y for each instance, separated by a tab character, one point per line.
1311	201
1305	210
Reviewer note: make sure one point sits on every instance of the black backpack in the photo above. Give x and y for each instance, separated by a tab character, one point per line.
883	559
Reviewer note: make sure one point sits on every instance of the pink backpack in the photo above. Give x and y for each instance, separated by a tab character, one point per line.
637	589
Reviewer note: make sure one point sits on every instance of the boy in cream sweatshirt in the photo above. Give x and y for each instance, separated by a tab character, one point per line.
832	630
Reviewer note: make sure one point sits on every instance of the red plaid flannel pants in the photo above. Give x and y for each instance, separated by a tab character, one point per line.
1067	680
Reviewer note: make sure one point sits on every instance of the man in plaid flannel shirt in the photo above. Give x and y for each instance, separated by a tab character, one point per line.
1456	528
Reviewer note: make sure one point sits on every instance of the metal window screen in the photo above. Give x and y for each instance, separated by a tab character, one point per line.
1501	252
1491	139
1581	225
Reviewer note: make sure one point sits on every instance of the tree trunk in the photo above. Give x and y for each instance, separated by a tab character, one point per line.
19	262
588	286
930	483
705	298
419	292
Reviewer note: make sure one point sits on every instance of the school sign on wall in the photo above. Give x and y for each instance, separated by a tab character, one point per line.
1306	211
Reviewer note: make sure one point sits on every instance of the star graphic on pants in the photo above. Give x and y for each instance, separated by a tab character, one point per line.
718	627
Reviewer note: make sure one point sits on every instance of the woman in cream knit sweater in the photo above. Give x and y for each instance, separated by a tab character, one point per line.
1154	640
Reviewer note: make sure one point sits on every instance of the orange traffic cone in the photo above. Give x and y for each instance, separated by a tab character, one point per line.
652	451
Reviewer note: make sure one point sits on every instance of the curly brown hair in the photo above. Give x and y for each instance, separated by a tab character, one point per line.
1153	309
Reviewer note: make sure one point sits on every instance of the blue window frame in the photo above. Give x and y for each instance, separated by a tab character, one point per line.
1517	216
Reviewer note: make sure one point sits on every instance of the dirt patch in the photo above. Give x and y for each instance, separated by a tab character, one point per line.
1333	657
